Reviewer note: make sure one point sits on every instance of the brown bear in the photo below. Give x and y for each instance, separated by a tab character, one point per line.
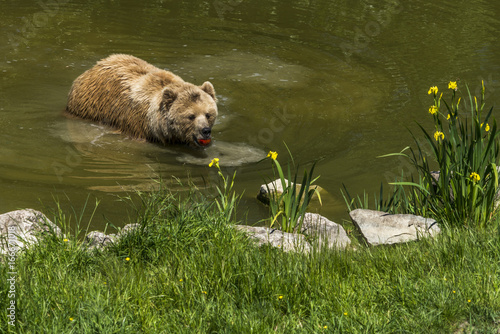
144	101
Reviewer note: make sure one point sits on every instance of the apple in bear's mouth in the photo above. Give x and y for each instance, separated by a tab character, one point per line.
204	142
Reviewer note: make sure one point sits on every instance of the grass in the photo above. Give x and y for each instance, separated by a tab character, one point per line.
189	271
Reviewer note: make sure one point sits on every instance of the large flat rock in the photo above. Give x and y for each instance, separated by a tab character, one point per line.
380	228
325	230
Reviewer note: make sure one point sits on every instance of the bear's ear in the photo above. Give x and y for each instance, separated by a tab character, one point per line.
209	89
169	97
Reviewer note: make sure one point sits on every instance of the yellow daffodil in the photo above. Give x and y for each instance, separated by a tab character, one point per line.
215	161
448	117
127	259
438	135
280	297
71	319
345	313
432	90
272	154
452	85
486	128
433	110
65	240
474	177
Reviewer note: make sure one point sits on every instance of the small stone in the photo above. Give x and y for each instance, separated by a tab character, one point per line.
99	240
289	242
276	187
129	228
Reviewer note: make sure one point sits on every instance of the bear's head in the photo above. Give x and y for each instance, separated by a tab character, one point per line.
190	112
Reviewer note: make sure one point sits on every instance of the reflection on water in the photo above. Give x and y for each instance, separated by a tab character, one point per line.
105	154
232	154
337	81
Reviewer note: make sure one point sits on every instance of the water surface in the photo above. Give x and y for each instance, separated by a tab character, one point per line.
336	81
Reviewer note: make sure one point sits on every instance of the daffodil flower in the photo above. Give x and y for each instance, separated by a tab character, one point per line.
272	154
452	85
215	161
432	90
486	128
433	110
438	135
474	177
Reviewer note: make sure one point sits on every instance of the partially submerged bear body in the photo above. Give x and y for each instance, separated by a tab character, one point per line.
144	101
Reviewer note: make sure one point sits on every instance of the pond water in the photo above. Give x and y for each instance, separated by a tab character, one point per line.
337	81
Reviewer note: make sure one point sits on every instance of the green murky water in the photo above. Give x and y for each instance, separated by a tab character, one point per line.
335	80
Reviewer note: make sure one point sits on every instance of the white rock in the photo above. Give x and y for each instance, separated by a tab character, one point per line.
383	228
287	241
325	230
99	240
276	187
21	228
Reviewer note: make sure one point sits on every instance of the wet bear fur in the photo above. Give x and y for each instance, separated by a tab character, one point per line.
145	102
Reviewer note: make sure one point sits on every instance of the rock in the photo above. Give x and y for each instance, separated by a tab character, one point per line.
314	225
276	187
464	327
289	242
21	228
326	231
383	228
128	229
99	240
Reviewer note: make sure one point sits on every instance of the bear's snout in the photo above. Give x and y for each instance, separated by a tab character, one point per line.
206	132
205	139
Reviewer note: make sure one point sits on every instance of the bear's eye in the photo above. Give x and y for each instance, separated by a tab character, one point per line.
208	116
191	117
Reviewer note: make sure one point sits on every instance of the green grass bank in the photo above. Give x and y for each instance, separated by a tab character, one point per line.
187	270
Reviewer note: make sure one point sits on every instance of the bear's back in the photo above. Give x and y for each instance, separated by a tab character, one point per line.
118	91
